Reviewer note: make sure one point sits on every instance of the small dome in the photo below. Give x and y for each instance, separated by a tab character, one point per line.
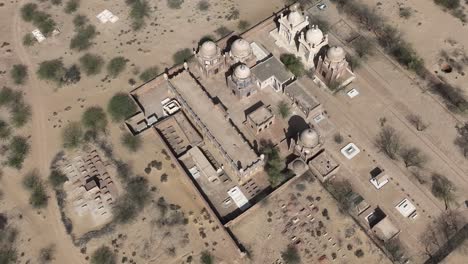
240	48
314	36
336	54
295	18
208	49
242	71
298	165
309	138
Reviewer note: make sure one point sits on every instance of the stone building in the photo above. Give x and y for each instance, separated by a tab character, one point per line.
306	144
241	52
241	81
333	69
260	119
289	27
310	44
209	58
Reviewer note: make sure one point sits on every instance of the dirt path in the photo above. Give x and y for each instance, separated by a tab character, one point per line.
40	154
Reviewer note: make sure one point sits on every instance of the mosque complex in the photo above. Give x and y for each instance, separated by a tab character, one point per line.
220	108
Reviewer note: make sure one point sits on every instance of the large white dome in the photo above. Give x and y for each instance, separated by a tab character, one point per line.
336	54
240	48
309	138
208	49
242	71
314	36
295	18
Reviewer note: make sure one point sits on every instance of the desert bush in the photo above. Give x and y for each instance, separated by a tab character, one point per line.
133	201
91	63
450	4
28	39
28	11
72	135
405	12
120	107
182	55
103	255
80	20
274	163
72	75
20	113
453	96
51	70
116	65
71	6
5	130
243	25
43	22
291	255
18	73
443	189
233	14
131	142
34	184
57	179
18	149
363	47
175	4
283	109
203	5
94	118
416	121
354	62
462	139
222	31
293	63
149	74
338	138
412	157
83	38
56	2
46	255
206	258
389	142
139	9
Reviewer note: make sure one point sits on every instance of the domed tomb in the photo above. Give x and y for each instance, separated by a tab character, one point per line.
336	54
242	71
208	49
309	138
314	36
240	48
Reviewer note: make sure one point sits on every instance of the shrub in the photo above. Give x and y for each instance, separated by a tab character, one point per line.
233	14
291	255
18	73
20	114
206	258
28	11
453	96
46	254
462	139
149	74
175	4
71	6
51	70
443	189
450	4
283	109
18	149
83	37
72	135
405	12
79	21
222	31
116	66
363	47
243	25
203	5
28	39
131	142
182	55
72	75
412	157
91	63
33	183
103	255
293	64
120	107
139	10
338	138
57	178
8	96
94	118
388	141
5	130
130	204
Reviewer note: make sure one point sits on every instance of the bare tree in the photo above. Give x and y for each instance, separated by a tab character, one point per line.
395	250
412	157
416	121
388	141
443	189
462	139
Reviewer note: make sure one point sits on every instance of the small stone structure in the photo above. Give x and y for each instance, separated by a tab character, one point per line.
241	52
306	145
289	27
260	119
241	82
323	165
333	69
310	44
209	58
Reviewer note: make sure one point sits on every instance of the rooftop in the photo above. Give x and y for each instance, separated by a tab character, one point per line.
260	115
272	67
300	94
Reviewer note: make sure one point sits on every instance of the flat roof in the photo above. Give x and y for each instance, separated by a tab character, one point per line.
324	163
405	207
260	115
213	119
272	67
238	197
299	93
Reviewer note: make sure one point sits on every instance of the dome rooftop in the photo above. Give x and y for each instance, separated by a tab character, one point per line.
242	71
240	48
309	138
295	18
314	36
336	54
298	165
208	49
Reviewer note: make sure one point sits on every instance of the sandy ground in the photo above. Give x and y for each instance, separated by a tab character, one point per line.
53	107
